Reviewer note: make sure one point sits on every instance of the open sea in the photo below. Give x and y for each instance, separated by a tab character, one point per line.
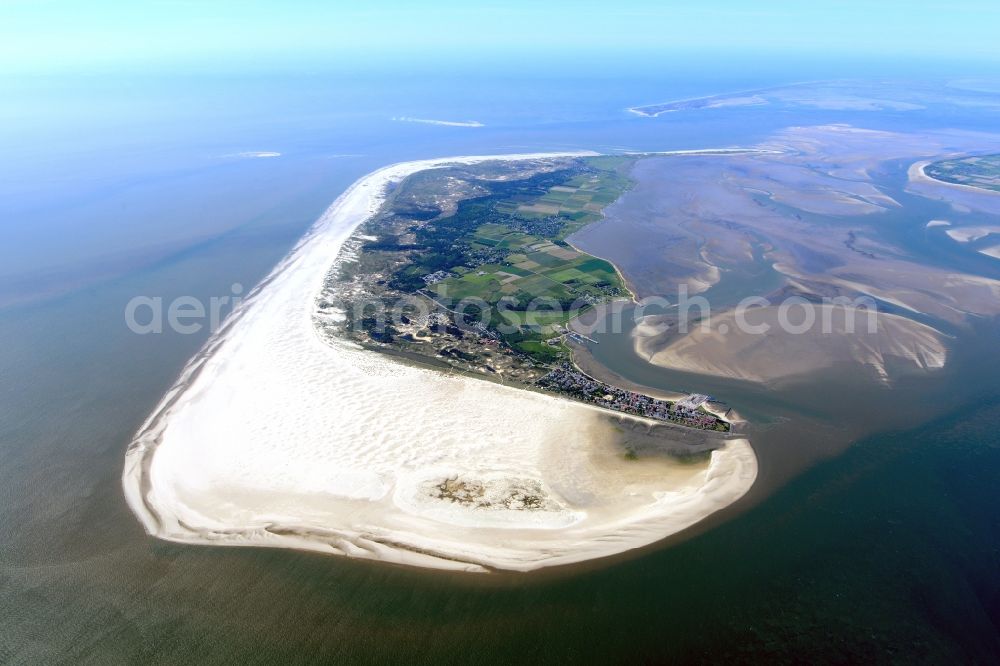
874	539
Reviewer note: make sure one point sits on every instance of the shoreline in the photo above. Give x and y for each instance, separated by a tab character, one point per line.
229	458
916	174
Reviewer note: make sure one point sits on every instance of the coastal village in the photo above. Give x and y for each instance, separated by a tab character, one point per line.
687	412
474	347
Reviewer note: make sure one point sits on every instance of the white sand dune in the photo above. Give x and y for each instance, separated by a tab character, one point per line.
273	437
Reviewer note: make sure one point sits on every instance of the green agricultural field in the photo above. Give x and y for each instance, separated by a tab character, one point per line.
508	249
581	198
541	271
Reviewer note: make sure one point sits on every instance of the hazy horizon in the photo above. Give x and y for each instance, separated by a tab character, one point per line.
62	36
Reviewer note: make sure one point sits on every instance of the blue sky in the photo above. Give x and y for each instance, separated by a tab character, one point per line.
39	35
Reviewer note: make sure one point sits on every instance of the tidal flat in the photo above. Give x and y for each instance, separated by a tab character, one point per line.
828	212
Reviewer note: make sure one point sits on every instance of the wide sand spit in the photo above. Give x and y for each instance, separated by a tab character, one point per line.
274	437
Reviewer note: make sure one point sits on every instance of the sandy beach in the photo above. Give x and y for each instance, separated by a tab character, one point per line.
273	437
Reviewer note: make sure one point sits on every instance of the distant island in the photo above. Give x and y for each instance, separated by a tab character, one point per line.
843	95
982	171
749	98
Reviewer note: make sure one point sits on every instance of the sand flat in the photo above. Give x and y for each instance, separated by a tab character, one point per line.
971	234
273	437
744	350
992	251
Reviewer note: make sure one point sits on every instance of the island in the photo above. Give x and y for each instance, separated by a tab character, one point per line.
982	171
300	425
411	384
